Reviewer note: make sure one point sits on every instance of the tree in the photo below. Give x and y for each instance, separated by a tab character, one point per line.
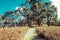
40	8
50	10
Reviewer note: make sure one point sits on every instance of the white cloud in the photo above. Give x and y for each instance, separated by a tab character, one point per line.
21	8
16	8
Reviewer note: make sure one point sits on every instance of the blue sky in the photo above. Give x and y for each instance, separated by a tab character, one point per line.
10	5
6	5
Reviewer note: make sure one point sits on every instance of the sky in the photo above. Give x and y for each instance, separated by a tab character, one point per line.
57	4
6	5
10	5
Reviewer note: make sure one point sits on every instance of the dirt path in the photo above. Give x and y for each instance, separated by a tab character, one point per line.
18	33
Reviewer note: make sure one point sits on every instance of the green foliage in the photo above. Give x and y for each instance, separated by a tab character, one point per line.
0	16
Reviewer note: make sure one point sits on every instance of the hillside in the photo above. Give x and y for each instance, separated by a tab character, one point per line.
17	33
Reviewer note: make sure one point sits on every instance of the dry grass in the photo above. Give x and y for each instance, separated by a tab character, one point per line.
17	33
